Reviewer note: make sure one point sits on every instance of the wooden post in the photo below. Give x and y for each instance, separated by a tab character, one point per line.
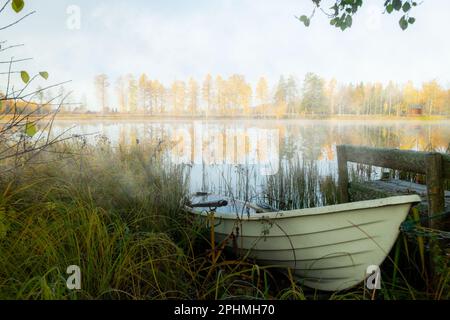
343	173
435	186
436	202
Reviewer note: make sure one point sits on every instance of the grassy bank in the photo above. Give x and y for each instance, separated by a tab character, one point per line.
116	213
112	212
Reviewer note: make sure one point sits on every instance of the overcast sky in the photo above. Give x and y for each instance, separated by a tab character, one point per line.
174	39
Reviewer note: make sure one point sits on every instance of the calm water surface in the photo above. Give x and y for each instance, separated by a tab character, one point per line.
226	150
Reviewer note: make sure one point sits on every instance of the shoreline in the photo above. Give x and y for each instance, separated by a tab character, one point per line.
147	117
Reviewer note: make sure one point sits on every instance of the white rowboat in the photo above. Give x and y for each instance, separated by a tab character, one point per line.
329	248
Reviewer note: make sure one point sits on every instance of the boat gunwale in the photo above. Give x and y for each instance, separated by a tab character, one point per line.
307	212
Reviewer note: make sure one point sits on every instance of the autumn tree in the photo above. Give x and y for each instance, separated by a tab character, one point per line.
263	94
221	95
132	93
280	96
446	109
178	96
330	92
193	96
392	99
208	93
432	97
358	99
158	96
292	98
101	84
144	94
121	91
411	95
246	98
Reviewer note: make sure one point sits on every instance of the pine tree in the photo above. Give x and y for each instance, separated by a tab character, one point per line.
314	100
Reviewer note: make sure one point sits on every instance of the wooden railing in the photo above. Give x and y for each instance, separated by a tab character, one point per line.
434	165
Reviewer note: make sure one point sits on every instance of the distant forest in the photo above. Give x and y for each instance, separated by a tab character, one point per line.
234	96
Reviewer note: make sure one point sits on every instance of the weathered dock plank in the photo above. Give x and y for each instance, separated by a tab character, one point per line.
406	160
384	188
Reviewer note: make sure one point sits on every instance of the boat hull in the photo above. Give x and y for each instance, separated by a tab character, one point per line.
328	248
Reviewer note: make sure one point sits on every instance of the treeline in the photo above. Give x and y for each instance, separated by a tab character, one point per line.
234	96
44	102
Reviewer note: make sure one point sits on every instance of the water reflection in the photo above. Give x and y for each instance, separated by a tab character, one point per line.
225	149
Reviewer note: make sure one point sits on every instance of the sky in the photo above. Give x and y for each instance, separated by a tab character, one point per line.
174	39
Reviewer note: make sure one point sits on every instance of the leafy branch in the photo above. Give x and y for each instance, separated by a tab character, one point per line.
342	12
21	139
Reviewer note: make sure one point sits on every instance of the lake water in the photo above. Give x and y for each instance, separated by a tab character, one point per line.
221	150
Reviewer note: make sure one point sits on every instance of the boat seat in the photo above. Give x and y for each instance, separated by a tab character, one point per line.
210	204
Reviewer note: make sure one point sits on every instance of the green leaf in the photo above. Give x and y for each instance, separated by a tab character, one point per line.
333	21
406	7
389	8
403	23
342	22
305	20
17	5
30	129
411	20
348	21
44	74
397	4
25	76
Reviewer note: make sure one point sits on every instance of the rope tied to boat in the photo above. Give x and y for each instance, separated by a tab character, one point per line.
414	227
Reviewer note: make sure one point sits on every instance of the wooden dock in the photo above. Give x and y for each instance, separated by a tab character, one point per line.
392	187
435	199
435	166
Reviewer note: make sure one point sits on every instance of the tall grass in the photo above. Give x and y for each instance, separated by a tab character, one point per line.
116	213
111	212
299	184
